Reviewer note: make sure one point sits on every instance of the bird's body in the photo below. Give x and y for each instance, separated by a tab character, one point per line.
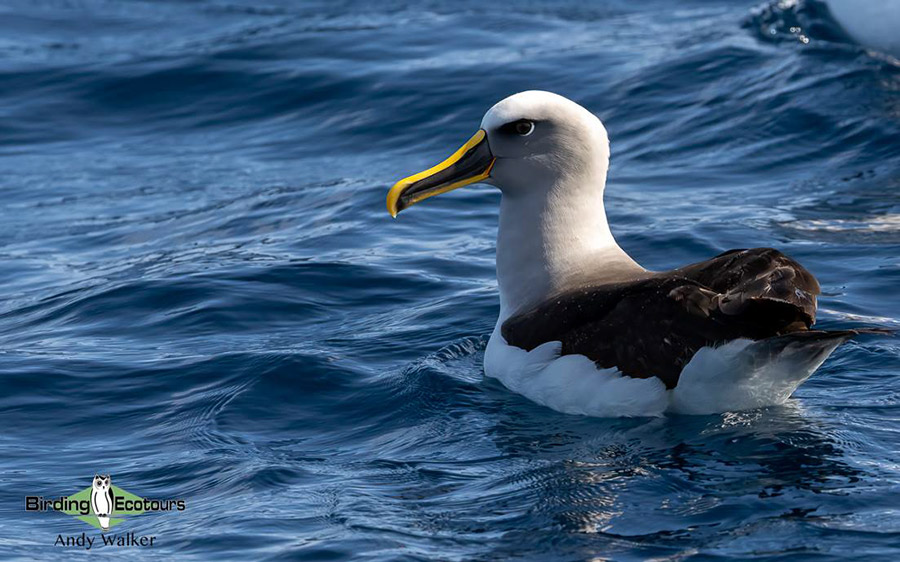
729	333
585	329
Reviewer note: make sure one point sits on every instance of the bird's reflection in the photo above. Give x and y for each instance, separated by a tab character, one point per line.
675	478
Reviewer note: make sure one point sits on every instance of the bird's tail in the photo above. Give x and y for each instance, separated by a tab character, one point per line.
745	374
817	339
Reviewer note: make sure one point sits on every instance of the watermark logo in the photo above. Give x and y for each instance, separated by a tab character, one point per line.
103	505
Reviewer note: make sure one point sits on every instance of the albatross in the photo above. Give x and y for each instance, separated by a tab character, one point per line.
583	328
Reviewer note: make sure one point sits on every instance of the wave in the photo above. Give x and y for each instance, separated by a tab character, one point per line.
870	23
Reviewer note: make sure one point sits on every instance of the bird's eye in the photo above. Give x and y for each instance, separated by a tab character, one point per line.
522	127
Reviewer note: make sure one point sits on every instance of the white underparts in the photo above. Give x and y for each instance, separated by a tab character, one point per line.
731	377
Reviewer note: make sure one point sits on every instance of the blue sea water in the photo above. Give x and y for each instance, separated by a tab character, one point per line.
204	296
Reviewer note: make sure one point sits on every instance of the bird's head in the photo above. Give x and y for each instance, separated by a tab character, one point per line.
526	143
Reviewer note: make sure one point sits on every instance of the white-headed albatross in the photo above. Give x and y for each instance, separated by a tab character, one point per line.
583	328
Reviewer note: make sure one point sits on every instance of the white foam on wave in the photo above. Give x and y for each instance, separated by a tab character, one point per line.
873	23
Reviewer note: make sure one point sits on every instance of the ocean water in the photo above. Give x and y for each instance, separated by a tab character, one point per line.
204	296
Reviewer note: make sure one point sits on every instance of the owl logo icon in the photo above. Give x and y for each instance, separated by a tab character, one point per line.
102	499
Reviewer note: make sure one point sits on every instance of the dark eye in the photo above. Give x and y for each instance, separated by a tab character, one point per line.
522	127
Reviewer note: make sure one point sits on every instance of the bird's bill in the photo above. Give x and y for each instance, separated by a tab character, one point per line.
470	164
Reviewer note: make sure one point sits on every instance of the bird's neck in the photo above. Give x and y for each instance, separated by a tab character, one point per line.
547	243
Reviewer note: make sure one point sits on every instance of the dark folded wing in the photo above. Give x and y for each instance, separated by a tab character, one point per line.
760	281
652	327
